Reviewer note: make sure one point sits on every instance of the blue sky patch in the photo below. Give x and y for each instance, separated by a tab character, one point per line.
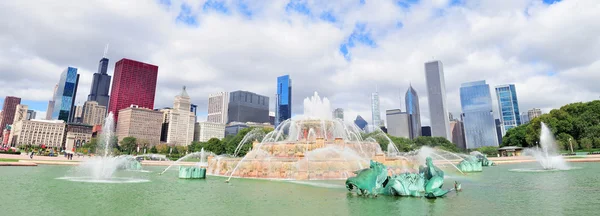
185	16
359	35
298	6
550	1
243	8
328	16
406	3
218	6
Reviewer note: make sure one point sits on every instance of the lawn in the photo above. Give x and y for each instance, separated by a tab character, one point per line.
8	160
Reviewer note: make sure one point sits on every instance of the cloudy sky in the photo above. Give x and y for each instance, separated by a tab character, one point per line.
550	49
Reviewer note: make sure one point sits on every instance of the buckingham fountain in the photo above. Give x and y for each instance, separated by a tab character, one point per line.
313	146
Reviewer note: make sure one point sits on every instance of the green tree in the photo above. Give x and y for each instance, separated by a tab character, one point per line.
516	136
128	144
586	143
214	145
153	150
488	150
91	145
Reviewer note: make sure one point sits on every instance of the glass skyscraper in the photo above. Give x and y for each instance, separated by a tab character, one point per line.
283	106
247	107
64	98
412	108
476	103
508	106
375	111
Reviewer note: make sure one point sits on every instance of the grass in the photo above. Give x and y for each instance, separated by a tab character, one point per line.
8	160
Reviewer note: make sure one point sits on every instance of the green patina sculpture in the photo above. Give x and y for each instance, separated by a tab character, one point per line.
474	163
368	181
470	164
374	180
133	165
192	172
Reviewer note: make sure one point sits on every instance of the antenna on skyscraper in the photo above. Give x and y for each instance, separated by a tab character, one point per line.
105	50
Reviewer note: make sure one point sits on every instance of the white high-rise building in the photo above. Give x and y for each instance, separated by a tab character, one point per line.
217	107
375	111
181	121
93	113
436	91
208	130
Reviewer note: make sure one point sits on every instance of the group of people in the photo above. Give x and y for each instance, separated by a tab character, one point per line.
69	156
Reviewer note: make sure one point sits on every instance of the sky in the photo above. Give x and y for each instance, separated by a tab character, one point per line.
342	49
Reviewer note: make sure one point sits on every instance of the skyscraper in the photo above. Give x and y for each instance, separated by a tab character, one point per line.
338	113
375	110
436	91
476	103
64	99
398	123
534	113
181	121
93	114
283	101
134	84
414	114
51	103
508	106
218	104
100	84
247	107
31	114
524	118
8	111
458	134
360	122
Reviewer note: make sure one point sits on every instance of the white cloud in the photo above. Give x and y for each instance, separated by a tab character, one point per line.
548	51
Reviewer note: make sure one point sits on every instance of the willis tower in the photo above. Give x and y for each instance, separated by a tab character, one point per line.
101	83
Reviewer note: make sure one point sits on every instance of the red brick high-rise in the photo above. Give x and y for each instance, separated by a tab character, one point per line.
8	111
134	83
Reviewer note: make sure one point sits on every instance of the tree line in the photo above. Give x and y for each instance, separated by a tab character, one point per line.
576	124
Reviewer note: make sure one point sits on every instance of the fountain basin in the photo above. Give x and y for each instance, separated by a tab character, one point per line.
192	172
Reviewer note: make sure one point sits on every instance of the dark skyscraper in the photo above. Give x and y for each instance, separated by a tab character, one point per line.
134	84
8	111
64	98
100	84
283	106
248	107
412	109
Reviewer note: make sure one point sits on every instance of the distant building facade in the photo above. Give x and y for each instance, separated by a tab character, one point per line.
508	106
360	122
426	131
398	123
458	133
246	106
51	104
8	111
64	98
31	114
218	104
499	130
283	100
476	103
534	113
208	130
234	128
338	113
134	83
436	91
93	113
412	108
181	121
78	115
77	135
142	123
375	110
20	113
37	132
524	118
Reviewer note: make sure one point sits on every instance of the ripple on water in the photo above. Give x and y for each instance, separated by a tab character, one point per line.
112	180
534	170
